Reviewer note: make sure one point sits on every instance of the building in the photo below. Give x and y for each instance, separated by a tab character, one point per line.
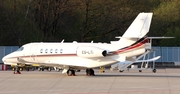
4	50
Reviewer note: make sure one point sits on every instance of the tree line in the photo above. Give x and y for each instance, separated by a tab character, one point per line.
24	21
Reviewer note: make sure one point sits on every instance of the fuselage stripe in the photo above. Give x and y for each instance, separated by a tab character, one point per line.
134	46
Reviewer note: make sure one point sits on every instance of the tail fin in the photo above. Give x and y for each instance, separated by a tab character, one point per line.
138	29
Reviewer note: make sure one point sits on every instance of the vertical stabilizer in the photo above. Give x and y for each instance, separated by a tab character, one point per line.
138	29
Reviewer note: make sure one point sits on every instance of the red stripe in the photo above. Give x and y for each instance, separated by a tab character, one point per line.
46	55
132	47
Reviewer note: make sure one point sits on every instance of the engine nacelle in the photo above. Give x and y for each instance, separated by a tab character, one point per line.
90	52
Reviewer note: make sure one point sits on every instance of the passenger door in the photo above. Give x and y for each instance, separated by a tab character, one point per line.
33	53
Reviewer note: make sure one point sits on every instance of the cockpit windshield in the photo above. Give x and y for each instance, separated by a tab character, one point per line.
20	49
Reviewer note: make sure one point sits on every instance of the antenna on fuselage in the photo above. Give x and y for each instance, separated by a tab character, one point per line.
62	41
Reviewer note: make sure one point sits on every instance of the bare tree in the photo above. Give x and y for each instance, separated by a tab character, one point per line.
46	14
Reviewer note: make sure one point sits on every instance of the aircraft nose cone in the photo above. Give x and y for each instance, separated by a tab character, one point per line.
4	59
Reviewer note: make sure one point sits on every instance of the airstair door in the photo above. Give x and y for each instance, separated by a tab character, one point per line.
33	54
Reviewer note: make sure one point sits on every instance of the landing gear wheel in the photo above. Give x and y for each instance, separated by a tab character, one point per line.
57	70
140	70
71	73
17	70
121	70
90	72
154	70
39	69
32	68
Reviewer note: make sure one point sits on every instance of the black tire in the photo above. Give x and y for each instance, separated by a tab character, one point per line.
90	72
140	70
32	68
39	69
69	72
73	73
57	70
120	70
154	70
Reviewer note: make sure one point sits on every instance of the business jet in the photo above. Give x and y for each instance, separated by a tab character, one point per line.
85	56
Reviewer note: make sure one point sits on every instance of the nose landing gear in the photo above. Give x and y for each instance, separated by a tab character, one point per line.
17	70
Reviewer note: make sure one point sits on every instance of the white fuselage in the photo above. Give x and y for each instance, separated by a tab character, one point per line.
88	55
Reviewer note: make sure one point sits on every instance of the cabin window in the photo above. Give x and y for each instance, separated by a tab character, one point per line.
51	50
61	50
56	50
41	51
46	50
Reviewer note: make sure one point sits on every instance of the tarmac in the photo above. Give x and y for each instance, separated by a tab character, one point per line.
164	81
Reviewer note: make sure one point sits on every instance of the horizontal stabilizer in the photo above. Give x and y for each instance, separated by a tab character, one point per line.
119	37
160	37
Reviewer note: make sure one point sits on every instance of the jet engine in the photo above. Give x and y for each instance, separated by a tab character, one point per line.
90	52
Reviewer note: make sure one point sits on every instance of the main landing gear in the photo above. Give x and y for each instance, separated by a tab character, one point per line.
17	70
90	72
71	72
154	70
